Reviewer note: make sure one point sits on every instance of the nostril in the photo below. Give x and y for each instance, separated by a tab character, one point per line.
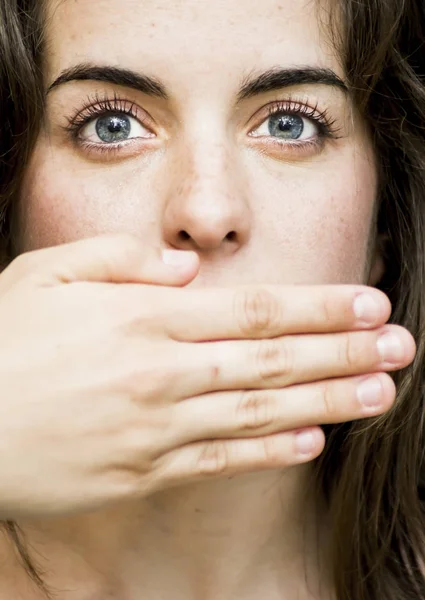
184	236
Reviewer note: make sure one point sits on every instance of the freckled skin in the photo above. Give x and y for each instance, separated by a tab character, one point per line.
255	213
299	220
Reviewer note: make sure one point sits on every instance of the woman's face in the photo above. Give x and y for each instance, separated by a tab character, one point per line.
223	127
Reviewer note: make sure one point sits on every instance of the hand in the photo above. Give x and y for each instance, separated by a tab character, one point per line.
110	391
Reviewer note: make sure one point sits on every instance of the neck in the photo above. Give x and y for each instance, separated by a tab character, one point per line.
250	537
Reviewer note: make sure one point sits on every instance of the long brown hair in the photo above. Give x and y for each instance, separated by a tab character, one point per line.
21	99
372	472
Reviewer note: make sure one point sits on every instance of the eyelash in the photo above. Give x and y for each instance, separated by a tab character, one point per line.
321	118
97	107
327	128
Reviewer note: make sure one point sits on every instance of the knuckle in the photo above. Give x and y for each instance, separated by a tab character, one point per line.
274	359
124	239
327	399
113	245
148	380
272	451
327	309
131	245
128	481
257	312
255	410
138	449
139	312
213	459
348	351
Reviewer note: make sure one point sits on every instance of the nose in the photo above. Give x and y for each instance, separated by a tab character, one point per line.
207	208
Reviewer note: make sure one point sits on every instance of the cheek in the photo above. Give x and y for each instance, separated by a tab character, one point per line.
58	206
312	220
317	219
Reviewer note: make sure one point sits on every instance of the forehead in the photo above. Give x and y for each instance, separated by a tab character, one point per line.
190	38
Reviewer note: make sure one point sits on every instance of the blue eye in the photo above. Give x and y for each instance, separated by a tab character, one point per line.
287	127
290	127
113	128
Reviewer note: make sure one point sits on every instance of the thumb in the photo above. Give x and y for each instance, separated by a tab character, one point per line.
111	259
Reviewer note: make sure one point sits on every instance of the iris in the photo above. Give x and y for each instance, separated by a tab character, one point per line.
287	127
113	128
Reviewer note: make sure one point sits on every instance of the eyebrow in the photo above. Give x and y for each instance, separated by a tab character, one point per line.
278	78
114	75
273	79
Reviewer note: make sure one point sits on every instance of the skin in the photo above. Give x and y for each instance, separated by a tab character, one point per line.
253	210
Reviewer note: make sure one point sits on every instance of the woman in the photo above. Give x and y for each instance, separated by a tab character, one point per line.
278	147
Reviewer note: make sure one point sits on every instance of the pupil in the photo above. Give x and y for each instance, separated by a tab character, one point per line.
288	127
115	125
113	128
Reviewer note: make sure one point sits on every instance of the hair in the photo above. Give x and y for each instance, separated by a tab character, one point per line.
372	472
21	100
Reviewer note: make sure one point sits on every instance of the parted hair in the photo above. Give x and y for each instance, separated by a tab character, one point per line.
372	472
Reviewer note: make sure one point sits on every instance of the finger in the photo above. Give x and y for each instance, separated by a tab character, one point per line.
292	360
254	413
270	311
107	258
220	458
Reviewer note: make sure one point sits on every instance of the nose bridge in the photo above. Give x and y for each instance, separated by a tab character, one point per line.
205	176
207	207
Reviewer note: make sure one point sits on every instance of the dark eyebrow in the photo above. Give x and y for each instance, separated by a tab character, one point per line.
277	78
114	75
270	80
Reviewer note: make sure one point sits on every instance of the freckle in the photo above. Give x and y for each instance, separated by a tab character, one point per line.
215	372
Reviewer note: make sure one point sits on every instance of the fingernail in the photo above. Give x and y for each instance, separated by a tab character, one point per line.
390	348
370	392
367	309
177	258
304	442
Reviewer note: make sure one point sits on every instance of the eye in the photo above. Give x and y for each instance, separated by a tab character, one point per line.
287	127
112	128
